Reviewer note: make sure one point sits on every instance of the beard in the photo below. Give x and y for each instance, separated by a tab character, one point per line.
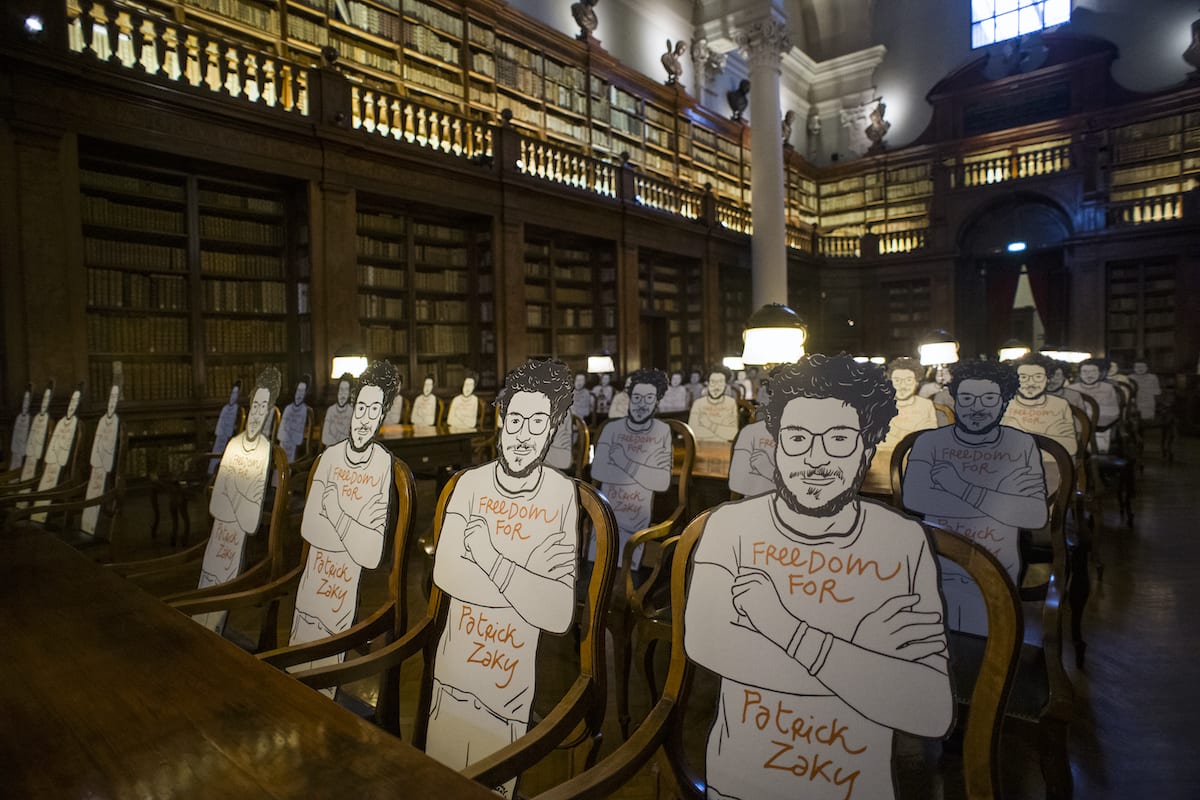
988	428
645	414
355	447
831	506
528	469
1037	396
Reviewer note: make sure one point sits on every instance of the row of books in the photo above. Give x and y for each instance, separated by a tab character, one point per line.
478	34
131	185
439	256
452	281
569	77
306	30
240	202
443	339
484	64
369	19
242	265
380	248
240	230
429	230
382	223
120	289
220	377
567	127
441	311
102	211
138	335
372	306
432	78
256	16
146	382
515	76
576	317
386	341
537	316
434	16
574	343
523	112
356	52
381	277
240	297
428	43
245	336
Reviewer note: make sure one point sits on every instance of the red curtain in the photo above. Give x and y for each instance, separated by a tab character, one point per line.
1047	281
1001	289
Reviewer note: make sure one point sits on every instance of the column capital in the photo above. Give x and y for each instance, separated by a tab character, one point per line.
764	41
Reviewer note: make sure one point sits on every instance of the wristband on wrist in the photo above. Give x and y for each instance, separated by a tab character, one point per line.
343	525
826	646
794	642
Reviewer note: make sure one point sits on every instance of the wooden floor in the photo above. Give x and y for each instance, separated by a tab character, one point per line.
1138	698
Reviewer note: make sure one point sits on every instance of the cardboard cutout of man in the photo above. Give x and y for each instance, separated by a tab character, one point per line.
464	408
714	416
294	420
226	426
424	408
561	454
59	450
507	558
1091	382
395	412
913	413
237	494
979	478
620	403
1056	384
633	458
35	445
602	395
1033	410
347	514
696	389
336	427
677	398
582	401
1148	392
20	431
819	609
102	459
752	463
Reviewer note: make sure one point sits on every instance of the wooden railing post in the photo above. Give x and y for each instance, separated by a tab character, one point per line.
329	98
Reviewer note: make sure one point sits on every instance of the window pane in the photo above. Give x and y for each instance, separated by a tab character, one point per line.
1006	26
1004	6
1057	12
983	33
982	9
1029	19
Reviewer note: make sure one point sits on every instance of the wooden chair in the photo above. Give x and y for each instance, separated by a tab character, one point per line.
444	411
69	480
67	503
576	718
165	575
389	621
747	412
582	446
1040	707
621	619
663	727
1117	467
945	413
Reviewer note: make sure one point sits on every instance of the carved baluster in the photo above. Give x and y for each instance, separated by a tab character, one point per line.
397	124
149	59
381	116
302	93
541	161
409	136
233	77
75	27
368	112
212	73
100	42
270	92
171	54
285	87
447	140
422	131
125	52
558	166
192	65
251	86
355	109
432	130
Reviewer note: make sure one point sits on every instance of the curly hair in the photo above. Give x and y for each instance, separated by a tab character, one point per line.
865	387
655	377
383	375
910	364
1034	359
549	376
1003	375
1101	363
721	368
271	380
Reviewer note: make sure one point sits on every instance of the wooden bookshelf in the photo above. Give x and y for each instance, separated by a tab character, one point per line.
735	306
669	290
908	310
426	296
1155	158
1140	318
571	298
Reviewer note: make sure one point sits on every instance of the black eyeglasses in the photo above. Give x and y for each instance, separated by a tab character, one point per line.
988	399
838	442
513	422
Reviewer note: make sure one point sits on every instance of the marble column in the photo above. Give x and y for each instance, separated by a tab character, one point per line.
764	42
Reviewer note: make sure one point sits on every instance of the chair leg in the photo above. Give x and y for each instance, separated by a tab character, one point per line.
1078	592
620	622
1056	766
648	650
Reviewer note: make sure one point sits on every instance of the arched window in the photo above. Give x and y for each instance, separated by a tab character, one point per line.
996	20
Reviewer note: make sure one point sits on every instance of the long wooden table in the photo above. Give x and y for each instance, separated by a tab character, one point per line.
428	449
105	692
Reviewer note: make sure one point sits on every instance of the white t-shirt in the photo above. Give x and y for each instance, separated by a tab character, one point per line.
561	454
752	466
632	496
916	414
424	410
464	412
714	420
675	399
337	424
20	436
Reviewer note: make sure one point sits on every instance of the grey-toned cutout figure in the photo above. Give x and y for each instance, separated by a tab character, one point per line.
1149	390
677	397
20	431
620	403
464	408
714	417
1091	382
59	449
424	408
294	420
35	445
913	413
507	558
336	426
102	459
226	426
818	609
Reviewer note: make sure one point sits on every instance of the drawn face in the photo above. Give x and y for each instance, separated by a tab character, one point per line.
114	394
301	392
904	381
580	379
525	436
1032	381
259	406
695	377
468	387
73	403
427	386
642	402
368	413
25	402
1140	368
820	459
1055	379
676	379
1089	374
716	385
978	405
605	379
343	395
45	401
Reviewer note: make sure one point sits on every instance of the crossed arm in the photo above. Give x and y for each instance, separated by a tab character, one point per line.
328	526
613	464
938	488
237	499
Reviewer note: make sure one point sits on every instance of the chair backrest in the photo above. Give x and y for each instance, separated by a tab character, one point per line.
945	413
1093	410
747	411
583	444
899	461
592	663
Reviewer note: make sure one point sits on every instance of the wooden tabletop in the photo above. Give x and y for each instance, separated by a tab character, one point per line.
105	692
712	460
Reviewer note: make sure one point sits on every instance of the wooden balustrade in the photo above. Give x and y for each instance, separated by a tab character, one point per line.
390	116
901	242
1150	209
734	218
799	239
663	196
557	164
840	246
1015	165
157	48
